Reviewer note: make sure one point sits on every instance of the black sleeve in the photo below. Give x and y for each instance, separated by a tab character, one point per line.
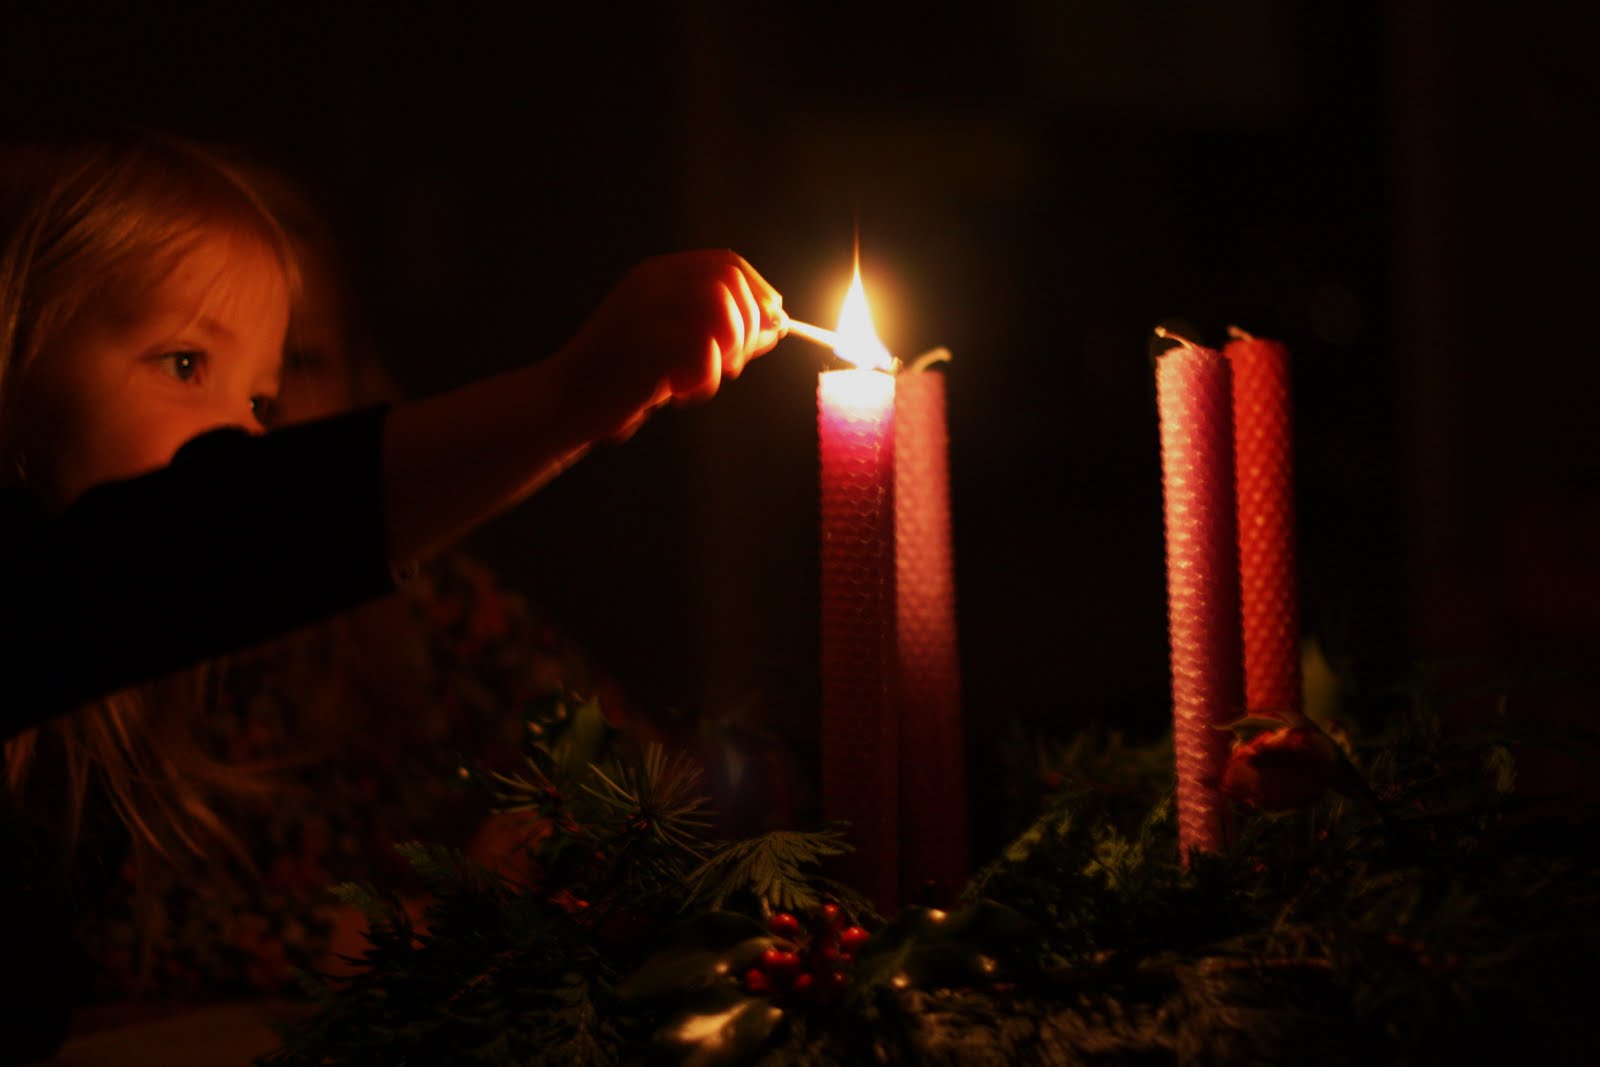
241	538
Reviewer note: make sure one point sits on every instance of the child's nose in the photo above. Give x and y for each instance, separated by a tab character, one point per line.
249	417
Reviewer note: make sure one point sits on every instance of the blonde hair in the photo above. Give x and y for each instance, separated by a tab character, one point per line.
326	280
83	220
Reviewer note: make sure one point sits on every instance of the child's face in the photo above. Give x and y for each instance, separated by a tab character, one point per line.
318	374
131	382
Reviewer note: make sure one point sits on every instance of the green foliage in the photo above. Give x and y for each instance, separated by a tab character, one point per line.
486	976
503	970
780	870
1432	914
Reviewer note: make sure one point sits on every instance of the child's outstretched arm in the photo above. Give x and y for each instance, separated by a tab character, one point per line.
243	537
672	329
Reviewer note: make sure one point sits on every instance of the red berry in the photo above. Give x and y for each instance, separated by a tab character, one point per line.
756	980
784	925
778	963
824	957
851	938
831	916
568	902
803	982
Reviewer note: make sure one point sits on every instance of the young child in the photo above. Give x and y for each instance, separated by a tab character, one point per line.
351	729
146	521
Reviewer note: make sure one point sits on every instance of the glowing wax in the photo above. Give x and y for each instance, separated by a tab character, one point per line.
860	731
1194	397
933	793
1265	471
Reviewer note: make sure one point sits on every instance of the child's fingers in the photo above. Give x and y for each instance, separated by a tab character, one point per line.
770	318
759	313
744	298
768	299
740	328
717	301
720	304
697	376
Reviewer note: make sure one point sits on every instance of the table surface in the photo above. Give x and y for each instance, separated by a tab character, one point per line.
229	1034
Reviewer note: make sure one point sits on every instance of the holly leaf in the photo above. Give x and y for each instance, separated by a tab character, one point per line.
1248	727
928	948
697	955
724	1033
584	741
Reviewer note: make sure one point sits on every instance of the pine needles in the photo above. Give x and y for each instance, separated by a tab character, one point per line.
779	869
1430	916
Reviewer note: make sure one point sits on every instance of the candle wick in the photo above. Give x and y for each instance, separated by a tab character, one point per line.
1163	332
928	359
1240	335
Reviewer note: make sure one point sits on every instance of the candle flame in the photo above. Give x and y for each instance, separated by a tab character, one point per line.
858	338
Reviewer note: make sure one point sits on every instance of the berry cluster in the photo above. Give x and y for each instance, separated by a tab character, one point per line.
807	961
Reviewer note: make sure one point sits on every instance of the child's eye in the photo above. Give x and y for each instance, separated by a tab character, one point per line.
184	366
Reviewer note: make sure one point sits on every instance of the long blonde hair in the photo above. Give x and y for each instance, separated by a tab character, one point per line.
84	218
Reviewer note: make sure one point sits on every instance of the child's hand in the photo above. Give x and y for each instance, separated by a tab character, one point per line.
672	329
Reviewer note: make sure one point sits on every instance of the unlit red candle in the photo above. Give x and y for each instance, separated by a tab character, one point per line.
860	729
1197	466
933	794
1265	496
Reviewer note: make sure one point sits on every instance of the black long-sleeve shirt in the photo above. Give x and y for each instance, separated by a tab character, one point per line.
242	537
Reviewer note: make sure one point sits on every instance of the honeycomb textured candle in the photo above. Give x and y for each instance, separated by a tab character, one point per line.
860	779
933	793
1263	457
1193	394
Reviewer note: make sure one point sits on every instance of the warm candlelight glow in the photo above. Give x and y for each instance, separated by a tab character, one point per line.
859	394
893	763
860	721
858	338
1195	401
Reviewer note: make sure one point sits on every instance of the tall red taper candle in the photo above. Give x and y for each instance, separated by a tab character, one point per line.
1193	394
933	780
860	773
1265	481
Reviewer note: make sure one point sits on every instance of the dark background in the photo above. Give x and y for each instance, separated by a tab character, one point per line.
1401	192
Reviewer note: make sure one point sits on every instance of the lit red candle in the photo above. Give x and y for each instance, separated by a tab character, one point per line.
933	794
860	728
1265	494
1197	465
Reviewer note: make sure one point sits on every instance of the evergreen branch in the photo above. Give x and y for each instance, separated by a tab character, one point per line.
446	870
658	796
1432	927
779	868
372	904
